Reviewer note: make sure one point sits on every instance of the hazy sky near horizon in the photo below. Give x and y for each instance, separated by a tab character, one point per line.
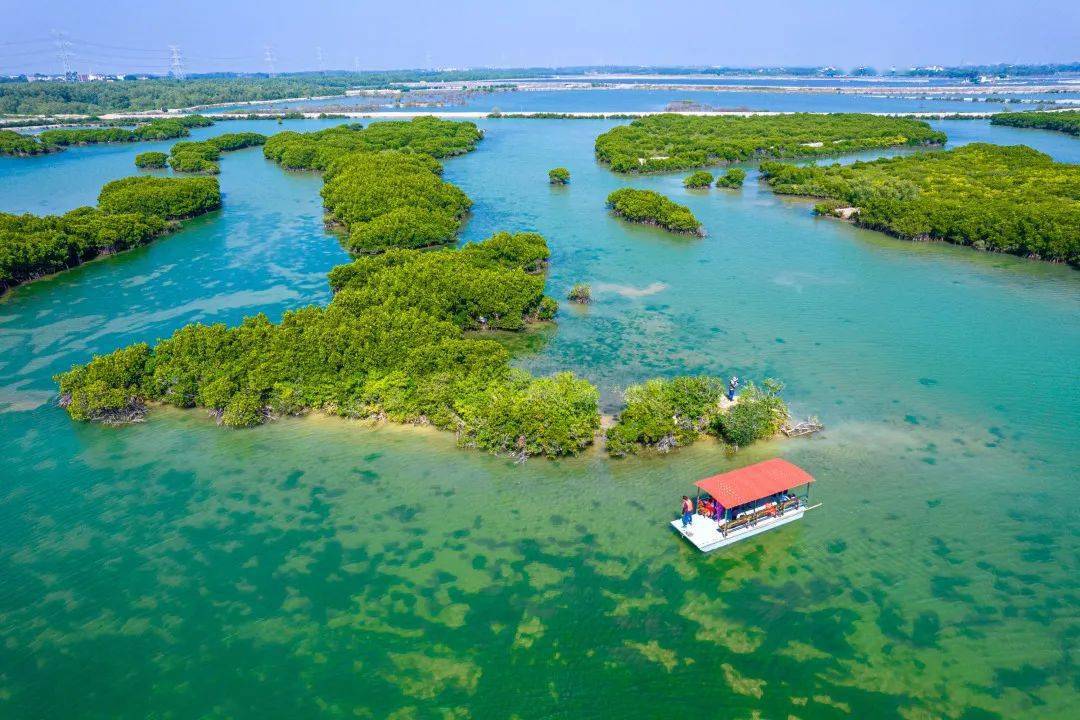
135	35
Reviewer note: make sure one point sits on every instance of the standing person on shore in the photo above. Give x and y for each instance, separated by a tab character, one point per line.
732	386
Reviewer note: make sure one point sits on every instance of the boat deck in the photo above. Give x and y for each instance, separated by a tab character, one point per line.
705	537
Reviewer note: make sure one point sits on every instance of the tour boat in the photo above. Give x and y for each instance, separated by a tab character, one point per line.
746	502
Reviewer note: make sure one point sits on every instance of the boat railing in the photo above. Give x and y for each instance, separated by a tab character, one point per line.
750	519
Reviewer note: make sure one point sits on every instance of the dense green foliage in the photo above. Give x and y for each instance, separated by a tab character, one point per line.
652	208
236	141
733	178
663	414
192	121
14	143
392	344
157	129
195	157
1005	199
559	176
581	293
382	182
674	142
428	135
168	198
31	246
151	159
156	94
498	284
758	414
63	137
698	179
131	211
392	199
1067	121
202	157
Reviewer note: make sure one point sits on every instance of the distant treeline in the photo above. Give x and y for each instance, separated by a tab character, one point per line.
1066	121
131	212
17	96
1005	199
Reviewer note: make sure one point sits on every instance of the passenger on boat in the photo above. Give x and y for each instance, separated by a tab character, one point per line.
687	511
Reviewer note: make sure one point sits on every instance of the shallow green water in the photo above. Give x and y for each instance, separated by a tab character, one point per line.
319	568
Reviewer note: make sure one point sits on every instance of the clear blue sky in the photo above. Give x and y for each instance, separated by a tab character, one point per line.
134	35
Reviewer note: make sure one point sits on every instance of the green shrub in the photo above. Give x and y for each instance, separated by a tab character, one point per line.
160	130
62	137
151	160
244	409
665	413
559	176
316	150
106	386
192	121
652	208
203	156
236	141
550	416
392	199
581	293
13	143
32	246
757	415
157	129
698	179
169	198
733	178
1067	121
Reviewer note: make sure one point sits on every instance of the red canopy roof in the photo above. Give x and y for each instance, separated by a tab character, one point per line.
754	482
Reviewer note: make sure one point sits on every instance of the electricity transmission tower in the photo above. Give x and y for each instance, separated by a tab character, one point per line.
270	60
177	62
319	55
63	51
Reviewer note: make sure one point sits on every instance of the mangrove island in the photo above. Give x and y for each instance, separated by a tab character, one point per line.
651	208
1004	199
675	142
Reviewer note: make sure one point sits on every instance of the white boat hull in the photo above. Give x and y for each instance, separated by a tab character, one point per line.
702	532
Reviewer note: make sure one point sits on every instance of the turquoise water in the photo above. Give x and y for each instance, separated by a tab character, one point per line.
318	567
